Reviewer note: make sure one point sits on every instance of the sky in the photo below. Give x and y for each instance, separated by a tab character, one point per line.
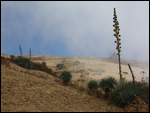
75	28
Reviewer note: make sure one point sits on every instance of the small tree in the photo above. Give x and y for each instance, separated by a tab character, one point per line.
117	36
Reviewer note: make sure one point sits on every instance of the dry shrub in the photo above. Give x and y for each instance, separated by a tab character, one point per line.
71	83
99	93
91	92
138	106
75	84
144	91
24	62
109	99
42	67
44	63
5	62
82	88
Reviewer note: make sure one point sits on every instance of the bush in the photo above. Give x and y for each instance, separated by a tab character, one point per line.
5	62
99	93
66	77
24	62
106	84
82	88
42	67
143	91
92	85
12	57
44	63
60	66
138	106
37	66
124	93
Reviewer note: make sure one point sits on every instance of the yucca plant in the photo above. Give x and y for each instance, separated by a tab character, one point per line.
106	84
92	87
117	41
123	93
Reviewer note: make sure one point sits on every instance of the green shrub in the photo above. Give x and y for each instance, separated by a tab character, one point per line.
106	84
124	93
60	66
66	77
42	67
143	91
92	85
24	62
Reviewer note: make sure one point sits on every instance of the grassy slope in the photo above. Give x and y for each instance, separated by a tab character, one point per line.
23	90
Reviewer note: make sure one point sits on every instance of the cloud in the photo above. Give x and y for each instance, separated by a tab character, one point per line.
80	28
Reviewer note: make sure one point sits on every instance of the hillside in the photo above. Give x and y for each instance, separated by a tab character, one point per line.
87	68
25	90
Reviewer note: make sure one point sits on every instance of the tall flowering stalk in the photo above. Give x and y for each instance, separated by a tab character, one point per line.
30	53
20	49
117	41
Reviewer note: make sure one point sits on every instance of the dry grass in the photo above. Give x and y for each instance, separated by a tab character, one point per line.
25	90
93	68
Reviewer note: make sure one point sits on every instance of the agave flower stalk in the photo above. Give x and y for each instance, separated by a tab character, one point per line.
117	41
20	49
30	53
